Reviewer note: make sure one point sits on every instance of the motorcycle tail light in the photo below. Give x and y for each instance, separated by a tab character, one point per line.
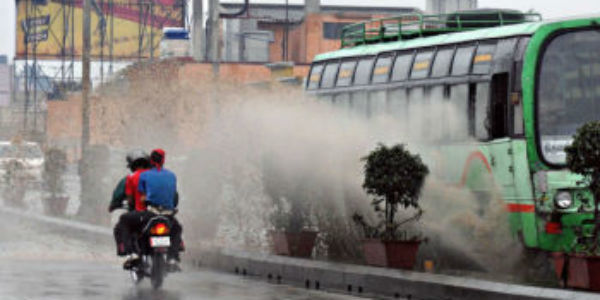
159	229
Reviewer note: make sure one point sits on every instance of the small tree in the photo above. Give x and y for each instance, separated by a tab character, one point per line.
583	157
394	177
55	166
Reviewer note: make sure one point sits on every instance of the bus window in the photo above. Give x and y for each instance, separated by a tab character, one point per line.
381	72
438	113
499	106
329	75
345	74
422	64
342	101
398	106
519	56
315	76
462	60
377	103
360	100
482	62
363	71
402	66
482	106
418	112
459	118
441	65
325	98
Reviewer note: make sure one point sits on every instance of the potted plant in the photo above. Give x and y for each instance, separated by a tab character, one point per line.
291	214
581	267
55	165
395	178
15	183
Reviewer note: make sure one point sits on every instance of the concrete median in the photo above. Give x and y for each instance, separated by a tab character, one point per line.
379	282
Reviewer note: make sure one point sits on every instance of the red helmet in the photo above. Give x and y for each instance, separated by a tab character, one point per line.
157	157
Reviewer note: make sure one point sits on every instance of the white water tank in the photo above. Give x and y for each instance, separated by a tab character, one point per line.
175	42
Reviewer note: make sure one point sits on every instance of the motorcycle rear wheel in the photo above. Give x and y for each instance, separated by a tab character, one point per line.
158	270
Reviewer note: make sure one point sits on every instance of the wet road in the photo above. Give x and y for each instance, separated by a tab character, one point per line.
66	280
41	262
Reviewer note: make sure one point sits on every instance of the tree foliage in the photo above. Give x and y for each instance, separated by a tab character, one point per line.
583	157
395	178
394	175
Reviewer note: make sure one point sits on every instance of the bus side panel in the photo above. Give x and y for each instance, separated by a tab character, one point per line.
497	168
524	194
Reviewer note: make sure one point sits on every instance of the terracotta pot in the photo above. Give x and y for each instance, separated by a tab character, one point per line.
391	254
294	244
583	271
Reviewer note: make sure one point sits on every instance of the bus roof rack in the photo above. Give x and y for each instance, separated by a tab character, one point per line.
411	26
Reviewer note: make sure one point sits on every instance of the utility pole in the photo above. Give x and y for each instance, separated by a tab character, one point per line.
214	36
86	208
198	38
85	78
286	33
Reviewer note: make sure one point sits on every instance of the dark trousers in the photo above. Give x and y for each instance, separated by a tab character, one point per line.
130	227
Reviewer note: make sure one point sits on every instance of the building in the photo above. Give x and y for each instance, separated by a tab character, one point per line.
449	6
276	32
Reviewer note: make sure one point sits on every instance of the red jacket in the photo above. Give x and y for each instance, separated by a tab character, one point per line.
131	189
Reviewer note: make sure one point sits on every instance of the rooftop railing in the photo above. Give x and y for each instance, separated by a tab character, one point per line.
413	26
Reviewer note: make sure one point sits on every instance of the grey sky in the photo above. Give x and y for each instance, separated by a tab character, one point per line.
548	8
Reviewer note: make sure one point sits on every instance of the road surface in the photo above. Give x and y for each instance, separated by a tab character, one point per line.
38	262
66	280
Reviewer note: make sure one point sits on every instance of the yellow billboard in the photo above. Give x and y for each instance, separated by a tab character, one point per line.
122	29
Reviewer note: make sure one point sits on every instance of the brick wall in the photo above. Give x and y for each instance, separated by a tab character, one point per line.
120	110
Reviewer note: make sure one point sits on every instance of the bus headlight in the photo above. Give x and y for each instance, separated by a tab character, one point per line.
563	200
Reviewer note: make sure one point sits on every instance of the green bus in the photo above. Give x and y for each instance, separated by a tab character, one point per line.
524	85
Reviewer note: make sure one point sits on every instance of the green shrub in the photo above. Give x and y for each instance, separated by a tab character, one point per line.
583	157
395	178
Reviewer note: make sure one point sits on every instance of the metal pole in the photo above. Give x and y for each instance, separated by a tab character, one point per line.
26	64
102	37
215	36
198	39
287	31
72	41
151	7
63	49
35	72
112	36
140	30
85	61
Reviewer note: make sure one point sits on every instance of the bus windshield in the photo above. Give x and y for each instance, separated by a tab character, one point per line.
568	90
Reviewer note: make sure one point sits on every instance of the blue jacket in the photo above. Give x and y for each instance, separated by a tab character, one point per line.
160	187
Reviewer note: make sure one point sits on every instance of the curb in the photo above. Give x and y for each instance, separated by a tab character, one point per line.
371	281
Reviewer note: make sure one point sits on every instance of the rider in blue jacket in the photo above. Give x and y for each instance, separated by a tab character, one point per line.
158	188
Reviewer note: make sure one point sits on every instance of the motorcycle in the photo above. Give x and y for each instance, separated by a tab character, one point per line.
152	246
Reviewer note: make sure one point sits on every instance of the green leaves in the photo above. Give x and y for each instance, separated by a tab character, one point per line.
583	156
394	175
